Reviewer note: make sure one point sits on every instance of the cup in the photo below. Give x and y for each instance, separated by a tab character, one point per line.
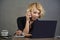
4	33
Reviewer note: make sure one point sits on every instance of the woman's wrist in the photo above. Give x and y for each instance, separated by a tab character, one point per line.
27	35
27	20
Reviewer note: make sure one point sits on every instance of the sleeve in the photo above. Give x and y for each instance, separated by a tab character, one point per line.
20	24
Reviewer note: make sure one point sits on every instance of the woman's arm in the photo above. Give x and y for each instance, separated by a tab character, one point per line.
26	29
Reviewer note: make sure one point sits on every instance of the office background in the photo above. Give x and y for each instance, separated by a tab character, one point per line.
11	9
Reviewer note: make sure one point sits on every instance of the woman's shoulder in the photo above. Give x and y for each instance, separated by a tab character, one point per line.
23	18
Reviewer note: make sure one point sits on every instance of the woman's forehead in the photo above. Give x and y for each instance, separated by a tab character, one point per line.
35	9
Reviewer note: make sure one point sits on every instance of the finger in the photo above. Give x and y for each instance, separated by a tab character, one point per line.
29	14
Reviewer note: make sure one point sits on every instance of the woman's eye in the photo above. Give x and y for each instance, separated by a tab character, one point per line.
34	12
38	13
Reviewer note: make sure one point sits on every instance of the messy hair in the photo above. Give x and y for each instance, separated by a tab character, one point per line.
38	6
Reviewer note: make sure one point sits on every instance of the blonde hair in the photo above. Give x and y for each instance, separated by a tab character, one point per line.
38	6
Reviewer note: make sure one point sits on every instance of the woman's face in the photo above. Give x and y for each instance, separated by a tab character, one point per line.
34	13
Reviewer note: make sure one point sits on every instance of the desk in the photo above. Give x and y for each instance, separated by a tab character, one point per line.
35	39
18	38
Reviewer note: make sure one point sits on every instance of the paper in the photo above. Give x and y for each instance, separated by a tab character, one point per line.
18	36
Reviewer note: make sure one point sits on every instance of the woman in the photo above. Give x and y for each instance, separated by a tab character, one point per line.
25	24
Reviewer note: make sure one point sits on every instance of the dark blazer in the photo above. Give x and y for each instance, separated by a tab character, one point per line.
21	21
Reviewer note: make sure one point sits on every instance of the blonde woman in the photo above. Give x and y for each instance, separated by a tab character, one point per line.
25	24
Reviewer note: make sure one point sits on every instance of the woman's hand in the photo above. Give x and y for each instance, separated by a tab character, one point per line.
28	15
27	35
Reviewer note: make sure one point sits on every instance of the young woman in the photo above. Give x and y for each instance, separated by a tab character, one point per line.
25	24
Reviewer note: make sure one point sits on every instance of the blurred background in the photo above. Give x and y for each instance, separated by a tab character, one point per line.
10	10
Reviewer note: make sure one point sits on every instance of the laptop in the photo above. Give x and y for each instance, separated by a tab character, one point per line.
44	29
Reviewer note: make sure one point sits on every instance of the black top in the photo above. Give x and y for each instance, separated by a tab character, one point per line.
21	21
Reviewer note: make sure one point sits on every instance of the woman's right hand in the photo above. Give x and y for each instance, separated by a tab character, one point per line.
28	15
